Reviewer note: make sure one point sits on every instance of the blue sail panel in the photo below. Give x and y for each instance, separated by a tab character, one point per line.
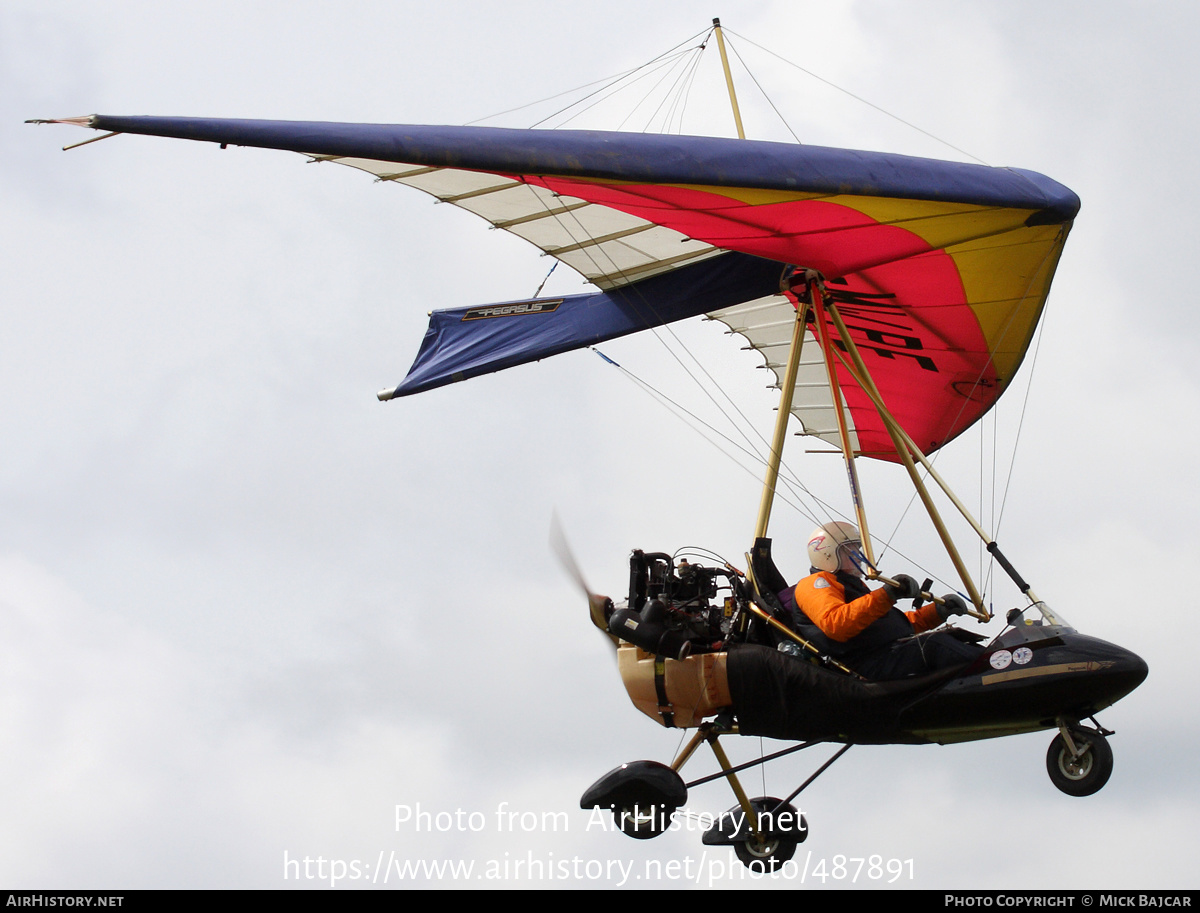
467	342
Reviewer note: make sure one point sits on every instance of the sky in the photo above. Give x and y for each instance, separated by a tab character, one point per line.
260	630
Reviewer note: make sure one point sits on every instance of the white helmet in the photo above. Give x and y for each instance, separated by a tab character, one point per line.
836	547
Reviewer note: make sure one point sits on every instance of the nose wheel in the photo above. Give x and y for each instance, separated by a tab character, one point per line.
1079	761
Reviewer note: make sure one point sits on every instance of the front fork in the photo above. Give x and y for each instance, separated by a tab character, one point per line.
1064	729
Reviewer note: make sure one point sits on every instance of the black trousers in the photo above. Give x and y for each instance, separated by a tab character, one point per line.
917	655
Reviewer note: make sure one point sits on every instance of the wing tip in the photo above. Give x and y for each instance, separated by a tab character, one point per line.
86	120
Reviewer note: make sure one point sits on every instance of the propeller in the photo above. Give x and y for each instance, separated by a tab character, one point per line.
598	606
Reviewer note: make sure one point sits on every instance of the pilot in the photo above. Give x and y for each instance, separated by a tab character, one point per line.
862	628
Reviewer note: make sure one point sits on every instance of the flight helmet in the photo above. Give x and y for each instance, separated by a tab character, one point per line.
836	547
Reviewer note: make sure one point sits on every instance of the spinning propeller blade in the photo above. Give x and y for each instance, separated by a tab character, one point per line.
597	604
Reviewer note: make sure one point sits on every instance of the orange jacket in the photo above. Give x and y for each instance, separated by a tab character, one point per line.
823	599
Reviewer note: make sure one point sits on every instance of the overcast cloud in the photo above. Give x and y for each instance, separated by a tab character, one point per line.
246	610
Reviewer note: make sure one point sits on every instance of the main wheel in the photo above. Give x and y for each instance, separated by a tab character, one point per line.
767	856
643	822
643	795
1085	774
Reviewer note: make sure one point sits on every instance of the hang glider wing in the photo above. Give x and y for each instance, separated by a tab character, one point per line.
945	267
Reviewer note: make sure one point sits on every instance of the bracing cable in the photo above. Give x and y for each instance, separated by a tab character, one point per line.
858	98
607	81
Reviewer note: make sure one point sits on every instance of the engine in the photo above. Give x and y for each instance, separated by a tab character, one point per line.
675	610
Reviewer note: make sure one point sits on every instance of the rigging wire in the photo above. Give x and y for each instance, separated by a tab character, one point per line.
987	562
663	326
979	563
684	65
816	517
858	98
680	412
682	97
542	101
1008	325
1021	421
888	543
616	87
754	79
679	92
662	59
609	80
979	379
675	99
667	58
789	477
762	768
992	489
683	70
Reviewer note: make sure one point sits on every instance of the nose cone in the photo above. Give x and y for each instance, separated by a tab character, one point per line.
1097	674
1028	684
1128	670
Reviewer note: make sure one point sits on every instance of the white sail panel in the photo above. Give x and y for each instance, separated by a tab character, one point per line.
607	247
766	325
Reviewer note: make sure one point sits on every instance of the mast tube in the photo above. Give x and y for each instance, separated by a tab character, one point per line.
737	114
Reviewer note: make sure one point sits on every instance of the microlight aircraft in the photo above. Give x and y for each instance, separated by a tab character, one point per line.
892	297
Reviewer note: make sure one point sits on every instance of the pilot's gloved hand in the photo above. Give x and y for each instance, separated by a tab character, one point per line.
952	604
904	587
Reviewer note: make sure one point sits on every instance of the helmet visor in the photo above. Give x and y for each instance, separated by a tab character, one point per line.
852	559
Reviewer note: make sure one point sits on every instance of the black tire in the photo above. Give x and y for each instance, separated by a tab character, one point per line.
643	822
1086	774
767	857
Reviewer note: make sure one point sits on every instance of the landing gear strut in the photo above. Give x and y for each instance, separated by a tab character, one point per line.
764	832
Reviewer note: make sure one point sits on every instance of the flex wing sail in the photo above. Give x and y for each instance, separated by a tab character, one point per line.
942	334
943	268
